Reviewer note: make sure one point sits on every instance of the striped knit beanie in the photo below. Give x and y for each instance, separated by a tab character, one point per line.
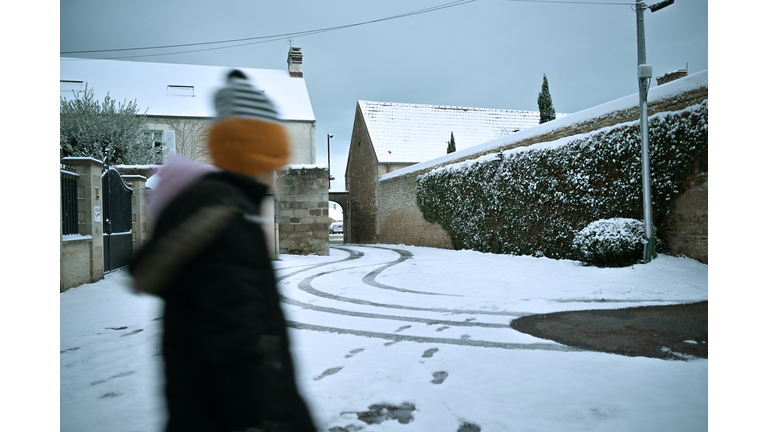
248	136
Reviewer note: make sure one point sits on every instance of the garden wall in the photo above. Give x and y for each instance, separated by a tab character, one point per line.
400	221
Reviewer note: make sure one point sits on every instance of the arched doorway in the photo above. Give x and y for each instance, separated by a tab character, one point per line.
342	199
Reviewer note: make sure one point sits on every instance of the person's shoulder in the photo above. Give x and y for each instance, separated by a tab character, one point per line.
229	186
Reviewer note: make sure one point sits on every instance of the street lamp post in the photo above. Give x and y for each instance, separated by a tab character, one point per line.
644	75
330	177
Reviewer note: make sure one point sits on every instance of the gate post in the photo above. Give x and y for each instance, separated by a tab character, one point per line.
89	207
138	210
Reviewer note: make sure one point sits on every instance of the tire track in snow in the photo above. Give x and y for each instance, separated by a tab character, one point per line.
306	286
431	340
369	279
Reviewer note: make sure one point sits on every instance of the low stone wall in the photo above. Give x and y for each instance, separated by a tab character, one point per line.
75	261
302	195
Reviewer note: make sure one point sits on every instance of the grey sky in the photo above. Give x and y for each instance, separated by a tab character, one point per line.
486	53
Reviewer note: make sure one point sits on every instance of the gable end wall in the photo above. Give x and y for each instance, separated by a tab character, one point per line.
361	181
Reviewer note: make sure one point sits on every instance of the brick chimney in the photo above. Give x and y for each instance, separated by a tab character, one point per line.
294	62
671	76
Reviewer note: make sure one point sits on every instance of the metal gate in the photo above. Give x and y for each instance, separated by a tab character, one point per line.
118	236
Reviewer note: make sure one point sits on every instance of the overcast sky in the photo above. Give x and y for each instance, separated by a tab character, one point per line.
483	53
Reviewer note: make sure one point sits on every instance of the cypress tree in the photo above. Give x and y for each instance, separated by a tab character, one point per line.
546	109
451	145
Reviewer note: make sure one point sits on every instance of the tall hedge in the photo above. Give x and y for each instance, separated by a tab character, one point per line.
533	202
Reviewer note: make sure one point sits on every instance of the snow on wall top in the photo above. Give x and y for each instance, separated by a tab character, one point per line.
409	133
165	89
666	91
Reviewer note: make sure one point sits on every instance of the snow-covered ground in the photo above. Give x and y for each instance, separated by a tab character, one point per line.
422	329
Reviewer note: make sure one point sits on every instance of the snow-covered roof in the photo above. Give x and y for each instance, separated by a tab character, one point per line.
165	89
409	133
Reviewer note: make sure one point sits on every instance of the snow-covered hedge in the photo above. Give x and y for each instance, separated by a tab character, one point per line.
533	202
616	242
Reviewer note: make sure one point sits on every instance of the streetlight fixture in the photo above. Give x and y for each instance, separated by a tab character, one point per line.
644	75
330	177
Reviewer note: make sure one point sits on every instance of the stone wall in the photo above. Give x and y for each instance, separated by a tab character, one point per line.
688	221
399	220
75	262
302	195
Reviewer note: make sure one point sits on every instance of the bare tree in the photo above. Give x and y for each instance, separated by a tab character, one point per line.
191	138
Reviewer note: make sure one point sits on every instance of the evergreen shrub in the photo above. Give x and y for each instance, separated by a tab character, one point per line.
617	242
535	201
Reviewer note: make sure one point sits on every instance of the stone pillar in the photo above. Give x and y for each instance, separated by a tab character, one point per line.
139	230
89	209
303	211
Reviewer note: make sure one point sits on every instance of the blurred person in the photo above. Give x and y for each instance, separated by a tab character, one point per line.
225	346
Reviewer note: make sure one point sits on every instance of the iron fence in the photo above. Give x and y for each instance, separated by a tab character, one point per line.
69	223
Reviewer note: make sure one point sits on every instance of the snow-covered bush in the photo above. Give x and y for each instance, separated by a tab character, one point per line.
616	242
533	202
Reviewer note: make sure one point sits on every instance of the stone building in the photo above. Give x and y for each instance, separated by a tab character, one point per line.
178	99
390	136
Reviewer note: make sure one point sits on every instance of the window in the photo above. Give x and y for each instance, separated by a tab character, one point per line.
180	90
156	136
68	86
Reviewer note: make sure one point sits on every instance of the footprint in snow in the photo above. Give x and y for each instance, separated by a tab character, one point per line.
439	376
468	427
353	352
428	353
328	372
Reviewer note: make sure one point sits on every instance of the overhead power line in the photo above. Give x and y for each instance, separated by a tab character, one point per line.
265	39
576	2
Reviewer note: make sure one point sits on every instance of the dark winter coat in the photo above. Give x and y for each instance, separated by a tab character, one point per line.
225	345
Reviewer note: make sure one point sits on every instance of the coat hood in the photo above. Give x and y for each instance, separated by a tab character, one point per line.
173	179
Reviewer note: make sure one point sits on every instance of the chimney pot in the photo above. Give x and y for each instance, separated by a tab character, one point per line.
294	62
